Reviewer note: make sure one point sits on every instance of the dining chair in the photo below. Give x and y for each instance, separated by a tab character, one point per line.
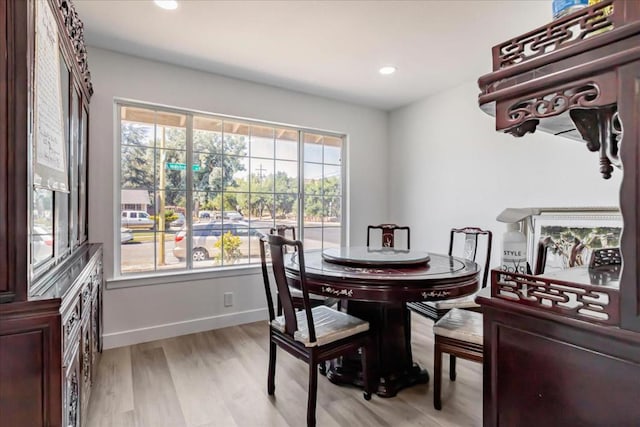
313	335
296	294
458	333
389	233
469	243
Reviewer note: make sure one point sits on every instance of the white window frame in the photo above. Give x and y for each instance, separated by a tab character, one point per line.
176	275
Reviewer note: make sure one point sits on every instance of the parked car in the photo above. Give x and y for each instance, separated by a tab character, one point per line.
232	215
126	235
136	219
178	223
205	236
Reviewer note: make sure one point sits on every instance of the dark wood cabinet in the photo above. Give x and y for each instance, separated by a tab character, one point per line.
50	276
568	352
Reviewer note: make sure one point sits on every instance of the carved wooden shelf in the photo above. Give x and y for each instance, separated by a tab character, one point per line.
558	78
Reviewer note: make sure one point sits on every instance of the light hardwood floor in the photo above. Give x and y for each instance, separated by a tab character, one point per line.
219	378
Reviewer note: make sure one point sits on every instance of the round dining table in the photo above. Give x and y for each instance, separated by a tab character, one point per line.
376	284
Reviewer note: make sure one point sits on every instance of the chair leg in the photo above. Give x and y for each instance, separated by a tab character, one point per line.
271	376
452	367
313	390
437	376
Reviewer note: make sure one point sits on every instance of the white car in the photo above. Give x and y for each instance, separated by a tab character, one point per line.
136	219
126	235
205	236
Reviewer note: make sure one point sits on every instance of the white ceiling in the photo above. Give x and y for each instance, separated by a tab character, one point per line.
326	48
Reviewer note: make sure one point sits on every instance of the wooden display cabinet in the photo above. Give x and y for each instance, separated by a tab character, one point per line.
566	350
50	276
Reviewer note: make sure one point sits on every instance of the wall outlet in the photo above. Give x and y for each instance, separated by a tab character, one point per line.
228	299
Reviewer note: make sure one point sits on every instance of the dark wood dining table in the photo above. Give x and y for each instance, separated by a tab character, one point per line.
376	285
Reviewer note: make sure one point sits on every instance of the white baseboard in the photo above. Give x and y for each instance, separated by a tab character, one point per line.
168	330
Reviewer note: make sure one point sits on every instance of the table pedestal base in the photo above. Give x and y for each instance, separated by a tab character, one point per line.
388	386
394	363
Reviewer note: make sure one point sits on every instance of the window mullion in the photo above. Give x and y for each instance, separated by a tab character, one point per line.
189	192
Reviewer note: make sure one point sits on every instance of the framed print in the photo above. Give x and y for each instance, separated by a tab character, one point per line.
572	234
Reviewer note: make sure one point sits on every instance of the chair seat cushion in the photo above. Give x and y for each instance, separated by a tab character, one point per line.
330	325
463	325
464	302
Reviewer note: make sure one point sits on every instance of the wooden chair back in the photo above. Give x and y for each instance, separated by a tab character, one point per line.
278	248
471	243
389	234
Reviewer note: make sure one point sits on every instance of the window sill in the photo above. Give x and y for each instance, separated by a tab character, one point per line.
182	276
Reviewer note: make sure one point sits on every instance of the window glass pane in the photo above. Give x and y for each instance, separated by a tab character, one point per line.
137	250
171	169
207	171
207	206
170	131
235	138
165	258
312	179
82	173
286	177
262	176
236	173
262	142
286	144
42	227
312	147
332	150
313	211
332	182
137	127
73	166
261	207
137	167
207	135
61	228
332	211
286	209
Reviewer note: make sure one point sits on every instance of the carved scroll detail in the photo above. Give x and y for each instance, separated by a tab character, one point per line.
75	32
560	33
554	103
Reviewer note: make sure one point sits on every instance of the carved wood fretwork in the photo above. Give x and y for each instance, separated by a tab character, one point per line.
591	303
591	104
72	399
560	33
75	31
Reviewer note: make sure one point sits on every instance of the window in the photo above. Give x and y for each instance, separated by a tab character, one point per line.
206	187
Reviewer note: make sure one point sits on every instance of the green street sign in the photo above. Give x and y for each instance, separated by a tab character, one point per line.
181	167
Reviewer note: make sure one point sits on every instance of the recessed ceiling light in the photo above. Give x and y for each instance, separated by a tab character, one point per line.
386	70
167	4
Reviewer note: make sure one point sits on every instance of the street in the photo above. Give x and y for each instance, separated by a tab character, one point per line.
139	254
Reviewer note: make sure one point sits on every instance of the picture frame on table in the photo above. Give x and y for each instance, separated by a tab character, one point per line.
573	234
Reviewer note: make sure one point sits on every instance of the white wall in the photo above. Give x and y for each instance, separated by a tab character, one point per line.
137	314
450	168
